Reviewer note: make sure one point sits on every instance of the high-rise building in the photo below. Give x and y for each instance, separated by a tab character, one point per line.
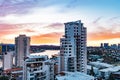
73	56
7	60
22	46
38	68
106	45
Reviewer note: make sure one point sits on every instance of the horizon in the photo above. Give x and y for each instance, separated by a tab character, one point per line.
44	21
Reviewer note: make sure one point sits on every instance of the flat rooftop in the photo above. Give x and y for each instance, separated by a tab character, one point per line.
74	76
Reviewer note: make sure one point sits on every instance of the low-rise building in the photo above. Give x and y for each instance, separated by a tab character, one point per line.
74	76
116	75
7	60
107	71
16	73
38	68
95	70
100	65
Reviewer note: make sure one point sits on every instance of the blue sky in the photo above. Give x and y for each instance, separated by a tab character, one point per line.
35	17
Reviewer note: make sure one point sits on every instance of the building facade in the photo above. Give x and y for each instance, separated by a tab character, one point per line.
22	47
73	56
7	60
38	68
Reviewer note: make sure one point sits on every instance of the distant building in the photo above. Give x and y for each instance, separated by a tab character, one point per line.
22	47
114	46
73	56
118	46
116	75
7	60
101	45
105	73
106	45
74	76
38	68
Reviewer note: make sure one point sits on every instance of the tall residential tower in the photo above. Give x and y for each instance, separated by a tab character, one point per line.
22	46
73	56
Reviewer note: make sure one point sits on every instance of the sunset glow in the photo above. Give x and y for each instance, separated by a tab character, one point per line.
43	20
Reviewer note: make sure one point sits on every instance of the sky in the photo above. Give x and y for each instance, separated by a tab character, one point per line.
43	20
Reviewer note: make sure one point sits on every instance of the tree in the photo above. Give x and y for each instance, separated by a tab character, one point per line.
4	78
92	71
111	77
13	79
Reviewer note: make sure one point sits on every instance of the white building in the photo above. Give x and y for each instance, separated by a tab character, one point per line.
100	65
73	56
7	60
107	71
74	76
96	70
38	68
22	47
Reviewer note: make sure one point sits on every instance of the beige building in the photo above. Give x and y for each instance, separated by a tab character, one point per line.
22	47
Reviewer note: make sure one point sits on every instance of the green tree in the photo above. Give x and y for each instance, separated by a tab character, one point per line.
13	79
111	77
4	78
92	71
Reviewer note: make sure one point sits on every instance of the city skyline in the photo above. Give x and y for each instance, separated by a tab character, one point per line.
44	21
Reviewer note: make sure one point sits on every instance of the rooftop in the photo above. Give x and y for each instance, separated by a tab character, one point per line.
111	69
38	56
89	67
75	76
13	69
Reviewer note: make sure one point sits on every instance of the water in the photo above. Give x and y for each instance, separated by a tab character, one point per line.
47	52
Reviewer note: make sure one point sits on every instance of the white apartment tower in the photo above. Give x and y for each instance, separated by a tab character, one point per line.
38	68
22	47
73	55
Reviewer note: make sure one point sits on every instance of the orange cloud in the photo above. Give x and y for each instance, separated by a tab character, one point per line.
50	38
103	35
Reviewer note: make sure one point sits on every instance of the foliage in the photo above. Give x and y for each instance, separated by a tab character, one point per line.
4	78
111	77
92	71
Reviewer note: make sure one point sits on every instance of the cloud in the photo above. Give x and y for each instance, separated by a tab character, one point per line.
72	3
6	29
103	36
29	30
114	18
21	7
8	7
97	20
50	38
55	25
105	29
